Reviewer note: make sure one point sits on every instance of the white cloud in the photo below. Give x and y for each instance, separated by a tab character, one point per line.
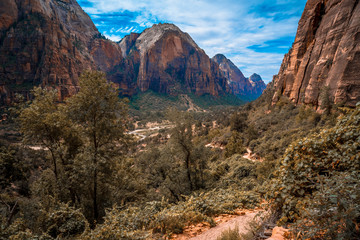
228	26
112	37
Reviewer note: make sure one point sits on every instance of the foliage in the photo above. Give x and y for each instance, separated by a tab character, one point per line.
63	221
333	210
84	137
325	101
182	142
136	222
100	118
230	234
12	169
238	121
234	145
318	176
236	172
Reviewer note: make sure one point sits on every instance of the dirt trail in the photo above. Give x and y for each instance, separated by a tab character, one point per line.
241	221
202	231
191	105
252	156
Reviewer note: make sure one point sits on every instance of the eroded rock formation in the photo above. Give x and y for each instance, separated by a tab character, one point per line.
249	88
49	43
324	60
168	60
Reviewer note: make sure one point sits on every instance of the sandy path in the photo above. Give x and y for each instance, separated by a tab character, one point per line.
241	221
251	156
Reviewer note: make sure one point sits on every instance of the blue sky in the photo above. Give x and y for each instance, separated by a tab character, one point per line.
254	34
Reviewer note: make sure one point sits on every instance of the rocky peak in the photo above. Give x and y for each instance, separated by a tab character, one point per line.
150	36
324	57
255	78
250	88
127	43
232	73
257	84
166	60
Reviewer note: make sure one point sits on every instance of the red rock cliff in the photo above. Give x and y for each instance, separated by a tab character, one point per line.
325	55
167	60
49	42
248	88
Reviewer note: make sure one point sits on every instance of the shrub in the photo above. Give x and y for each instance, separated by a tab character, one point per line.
319	176
137	222
230	234
64	221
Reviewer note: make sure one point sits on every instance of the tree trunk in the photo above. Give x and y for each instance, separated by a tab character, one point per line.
188	170
95	206
54	162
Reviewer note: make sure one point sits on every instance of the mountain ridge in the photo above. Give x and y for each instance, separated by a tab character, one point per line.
240	85
50	43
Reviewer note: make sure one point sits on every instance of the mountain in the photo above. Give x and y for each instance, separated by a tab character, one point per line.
49	43
323	63
249	88
167	60
257	86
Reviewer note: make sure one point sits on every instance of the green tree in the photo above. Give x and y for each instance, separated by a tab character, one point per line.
238	121
100	118
40	123
193	157
235	145
325	100
45	124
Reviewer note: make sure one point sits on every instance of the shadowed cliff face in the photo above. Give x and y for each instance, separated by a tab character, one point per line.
257	85
250	88
168	61
325	55
49	42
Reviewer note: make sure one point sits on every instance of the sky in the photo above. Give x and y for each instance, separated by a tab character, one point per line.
253	34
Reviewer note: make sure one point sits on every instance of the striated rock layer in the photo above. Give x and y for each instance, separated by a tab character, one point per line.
49	42
250	88
325	57
168	61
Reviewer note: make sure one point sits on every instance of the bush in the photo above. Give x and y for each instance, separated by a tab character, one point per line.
230	234
236	172
319	176
234	145
137	222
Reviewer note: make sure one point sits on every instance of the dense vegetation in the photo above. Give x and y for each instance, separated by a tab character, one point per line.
316	185
77	174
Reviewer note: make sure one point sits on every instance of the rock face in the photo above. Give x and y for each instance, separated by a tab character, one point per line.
167	60
325	58
257	85
249	88
49	42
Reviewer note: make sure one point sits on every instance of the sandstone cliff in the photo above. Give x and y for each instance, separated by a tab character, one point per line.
168	60
257	85
49	42
325	56
249	88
